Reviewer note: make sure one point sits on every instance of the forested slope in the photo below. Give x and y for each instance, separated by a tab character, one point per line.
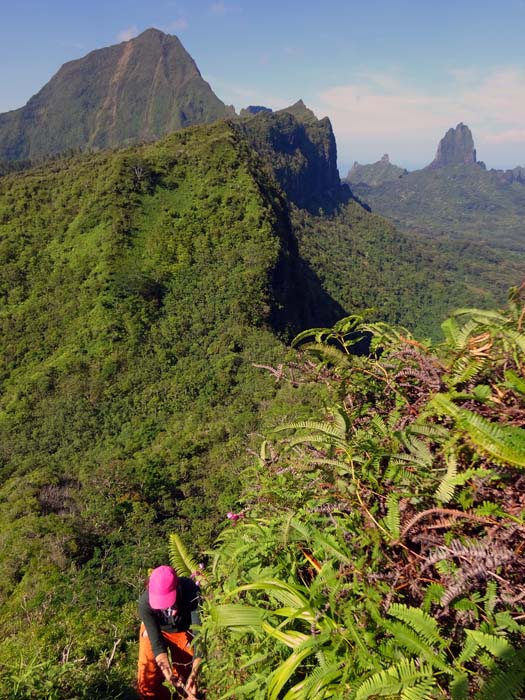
137	288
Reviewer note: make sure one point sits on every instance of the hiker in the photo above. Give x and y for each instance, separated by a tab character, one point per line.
168	608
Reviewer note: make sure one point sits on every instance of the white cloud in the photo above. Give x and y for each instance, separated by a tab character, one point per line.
382	113
511	136
127	34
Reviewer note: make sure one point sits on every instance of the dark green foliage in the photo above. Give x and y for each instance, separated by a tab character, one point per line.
137	289
365	263
462	202
300	151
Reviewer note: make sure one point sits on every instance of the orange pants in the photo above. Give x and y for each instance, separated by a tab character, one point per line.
150	677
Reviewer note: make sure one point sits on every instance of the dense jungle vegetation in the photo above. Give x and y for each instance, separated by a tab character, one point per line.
138	290
378	550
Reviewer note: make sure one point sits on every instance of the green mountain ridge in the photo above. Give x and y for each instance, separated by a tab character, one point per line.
137	289
138	90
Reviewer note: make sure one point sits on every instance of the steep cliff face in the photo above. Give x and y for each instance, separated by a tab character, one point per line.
302	152
455	148
141	89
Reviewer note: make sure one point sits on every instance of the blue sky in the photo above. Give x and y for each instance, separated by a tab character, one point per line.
392	76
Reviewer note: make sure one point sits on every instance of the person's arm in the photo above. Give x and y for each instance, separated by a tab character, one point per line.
152	627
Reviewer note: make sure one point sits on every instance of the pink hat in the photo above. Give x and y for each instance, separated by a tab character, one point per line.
162	587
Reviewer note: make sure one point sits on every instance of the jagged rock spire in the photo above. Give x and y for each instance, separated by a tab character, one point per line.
455	148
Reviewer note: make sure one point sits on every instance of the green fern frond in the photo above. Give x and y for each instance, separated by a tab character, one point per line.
392	681
491	509
465	369
299	529
397	472
409	640
424	690
379	427
447	486
330	545
183	563
422	623
464	333
504	443
419	450
450	330
515	382
330	354
312	439
433	594
517	338
315	685
476	639
459	689
434	432
483	316
507	683
392	519
317	333
386	336
329	430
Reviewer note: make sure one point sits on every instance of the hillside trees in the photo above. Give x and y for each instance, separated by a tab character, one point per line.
136	290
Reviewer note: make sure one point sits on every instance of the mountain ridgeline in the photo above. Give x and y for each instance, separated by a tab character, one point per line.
141	89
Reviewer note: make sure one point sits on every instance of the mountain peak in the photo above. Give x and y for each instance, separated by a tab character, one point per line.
138	90
300	111
455	148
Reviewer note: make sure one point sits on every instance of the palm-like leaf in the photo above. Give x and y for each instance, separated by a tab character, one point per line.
180	559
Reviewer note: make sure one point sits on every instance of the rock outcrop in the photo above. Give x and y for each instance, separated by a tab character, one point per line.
303	154
253	109
455	148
